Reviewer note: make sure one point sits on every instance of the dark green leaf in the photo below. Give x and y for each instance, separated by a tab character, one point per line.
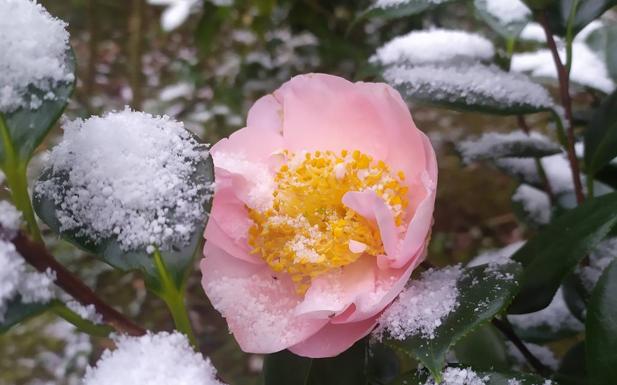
601	136
483	293
459	87
572	369
556	250
383	364
575	296
483	349
587	11
178	257
18	311
285	368
348	368
27	128
509	30
601	329
209	26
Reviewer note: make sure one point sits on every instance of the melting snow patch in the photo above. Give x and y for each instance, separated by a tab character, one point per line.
599	260
508	11
535	203
10	220
86	312
395	3
544	354
433	46
422	306
472	84
18	279
34	46
555	316
153	359
127	175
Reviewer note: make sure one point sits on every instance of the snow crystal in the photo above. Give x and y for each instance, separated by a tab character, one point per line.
497	145
153	359
395	3
588	69
16	278
433	46
599	259
127	175
544	354
473	83
535	203
555	316
86	312
34	46
508	11
459	376
10	220
513	381
497	256
422	306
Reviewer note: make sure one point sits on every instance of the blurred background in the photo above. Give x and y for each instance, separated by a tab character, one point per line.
205	63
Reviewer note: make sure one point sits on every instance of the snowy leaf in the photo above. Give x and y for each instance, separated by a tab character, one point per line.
483	291
603	41
463	375
17	311
434	46
557	249
392	9
474	87
516	144
532	204
506	17
123	185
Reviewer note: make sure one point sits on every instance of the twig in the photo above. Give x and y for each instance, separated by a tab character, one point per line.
566	101
37	255
506	329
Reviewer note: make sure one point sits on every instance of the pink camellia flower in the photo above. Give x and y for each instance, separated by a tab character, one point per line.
323	208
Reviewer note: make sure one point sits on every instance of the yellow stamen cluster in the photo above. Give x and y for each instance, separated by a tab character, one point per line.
308	231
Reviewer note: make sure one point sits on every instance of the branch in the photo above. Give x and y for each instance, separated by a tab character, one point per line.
37	255
506	329
566	101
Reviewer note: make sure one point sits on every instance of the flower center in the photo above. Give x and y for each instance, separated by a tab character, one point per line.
308	231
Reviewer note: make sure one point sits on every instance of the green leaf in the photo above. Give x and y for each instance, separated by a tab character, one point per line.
285	368
575	295
491	378
483	293
587	11
604	42
402	9
483	349
601	136
178	257
509	30
601	329
465	87
348	368
17	312
572	370
383	364
556	250
27	128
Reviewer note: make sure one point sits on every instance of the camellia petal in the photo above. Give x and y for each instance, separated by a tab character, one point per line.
322	210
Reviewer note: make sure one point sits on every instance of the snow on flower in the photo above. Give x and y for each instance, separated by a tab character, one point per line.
34	46
127	175
322	210
422	306
153	359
